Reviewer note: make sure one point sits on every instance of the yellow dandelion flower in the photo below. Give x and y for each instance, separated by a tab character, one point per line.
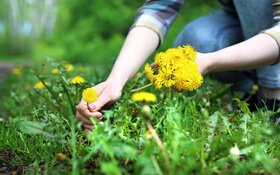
77	80
144	96
166	76
255	88
188	81
61	156
148	134
158	81
89	95
188	78
149	72
16	71
55	70
190	52
68	67
158	58
176	68
40	85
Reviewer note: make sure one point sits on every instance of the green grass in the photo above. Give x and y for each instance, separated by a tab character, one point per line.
197	130
40	135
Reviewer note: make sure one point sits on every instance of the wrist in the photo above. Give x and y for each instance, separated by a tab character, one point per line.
207	62
117	81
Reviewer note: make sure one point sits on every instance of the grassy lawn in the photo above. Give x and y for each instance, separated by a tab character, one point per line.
205	131
202	132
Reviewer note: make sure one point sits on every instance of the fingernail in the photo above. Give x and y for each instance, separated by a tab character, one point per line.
92	106
100	117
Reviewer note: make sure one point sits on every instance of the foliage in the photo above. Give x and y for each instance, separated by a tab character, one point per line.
192	131
84	29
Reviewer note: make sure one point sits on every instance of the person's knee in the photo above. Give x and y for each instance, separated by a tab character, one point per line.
269	76
199	37
211	33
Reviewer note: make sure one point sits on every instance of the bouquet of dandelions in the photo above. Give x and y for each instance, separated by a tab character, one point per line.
176	69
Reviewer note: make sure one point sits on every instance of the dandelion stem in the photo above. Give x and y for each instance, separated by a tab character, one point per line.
68	95
164	95
160	145
143	87
156	165
53	94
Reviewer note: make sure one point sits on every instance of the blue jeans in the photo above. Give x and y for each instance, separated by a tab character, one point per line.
237	21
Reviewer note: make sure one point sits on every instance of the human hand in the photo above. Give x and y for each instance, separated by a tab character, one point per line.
108	93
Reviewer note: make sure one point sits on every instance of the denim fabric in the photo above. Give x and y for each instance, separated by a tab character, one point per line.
237	21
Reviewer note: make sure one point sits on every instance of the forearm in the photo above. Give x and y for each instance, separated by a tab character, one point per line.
140	43
255	52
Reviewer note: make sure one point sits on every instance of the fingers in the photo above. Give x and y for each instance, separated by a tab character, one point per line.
84	115
82	109
102	100
85	120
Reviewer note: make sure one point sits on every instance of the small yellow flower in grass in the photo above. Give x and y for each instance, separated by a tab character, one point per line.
89	95
61	156
148	135
40	85
55	70
144	96
77	80
68	67
16	71
255	88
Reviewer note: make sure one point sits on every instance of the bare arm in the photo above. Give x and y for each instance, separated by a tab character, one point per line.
140	43
255	52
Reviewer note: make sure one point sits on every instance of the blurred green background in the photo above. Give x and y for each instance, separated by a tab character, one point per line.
85	31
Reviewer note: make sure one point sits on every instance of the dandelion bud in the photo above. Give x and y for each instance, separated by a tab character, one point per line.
205	112
147	111
235	152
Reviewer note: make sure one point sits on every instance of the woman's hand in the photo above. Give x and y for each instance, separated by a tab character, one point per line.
108	93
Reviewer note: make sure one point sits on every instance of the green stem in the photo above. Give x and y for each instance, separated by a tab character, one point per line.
47	87
164	95
75	169
160	145
202	150
143	87
68	96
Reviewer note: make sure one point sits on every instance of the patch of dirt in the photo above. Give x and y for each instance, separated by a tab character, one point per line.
5	69
6	168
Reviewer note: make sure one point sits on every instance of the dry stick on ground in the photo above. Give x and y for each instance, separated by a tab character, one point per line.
160	145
